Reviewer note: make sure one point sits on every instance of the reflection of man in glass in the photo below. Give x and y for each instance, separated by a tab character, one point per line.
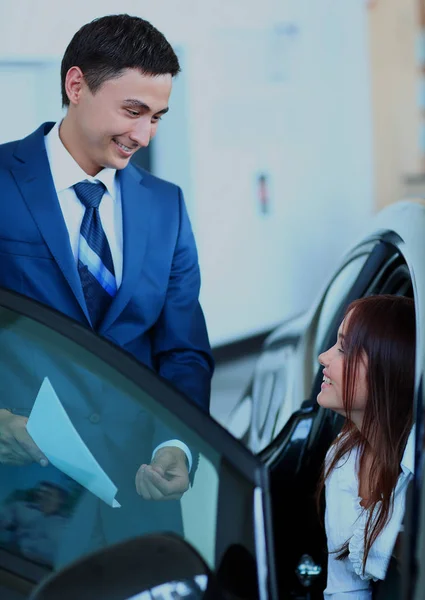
36	524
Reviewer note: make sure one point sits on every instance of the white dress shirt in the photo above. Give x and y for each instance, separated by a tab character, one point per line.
66	172
345	519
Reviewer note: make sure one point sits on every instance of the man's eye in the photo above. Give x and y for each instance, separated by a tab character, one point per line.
156	119
133	113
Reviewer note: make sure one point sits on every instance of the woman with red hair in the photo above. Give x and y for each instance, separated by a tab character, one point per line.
368	377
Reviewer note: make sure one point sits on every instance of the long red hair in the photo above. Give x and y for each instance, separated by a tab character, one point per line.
383	328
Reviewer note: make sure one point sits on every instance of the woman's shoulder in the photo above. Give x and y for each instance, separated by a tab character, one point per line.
341	476
346	460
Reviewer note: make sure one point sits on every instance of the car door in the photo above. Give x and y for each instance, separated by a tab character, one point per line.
99	415
295	457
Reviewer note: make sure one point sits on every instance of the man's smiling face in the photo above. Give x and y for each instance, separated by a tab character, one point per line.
118	119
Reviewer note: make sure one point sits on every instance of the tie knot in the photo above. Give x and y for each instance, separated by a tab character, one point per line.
90	194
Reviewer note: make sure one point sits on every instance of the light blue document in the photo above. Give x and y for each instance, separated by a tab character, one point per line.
55	435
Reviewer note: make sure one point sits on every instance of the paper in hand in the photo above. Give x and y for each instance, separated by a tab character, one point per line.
55	435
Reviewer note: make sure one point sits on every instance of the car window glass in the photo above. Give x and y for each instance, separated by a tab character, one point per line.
335	295
275	391
49	517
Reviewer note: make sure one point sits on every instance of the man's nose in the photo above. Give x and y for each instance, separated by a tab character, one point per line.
141	134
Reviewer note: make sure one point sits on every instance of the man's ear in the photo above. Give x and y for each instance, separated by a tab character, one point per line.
74	83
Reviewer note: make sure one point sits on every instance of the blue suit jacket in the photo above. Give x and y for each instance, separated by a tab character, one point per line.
156	314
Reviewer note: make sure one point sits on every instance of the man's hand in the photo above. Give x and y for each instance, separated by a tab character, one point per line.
166	478
16	445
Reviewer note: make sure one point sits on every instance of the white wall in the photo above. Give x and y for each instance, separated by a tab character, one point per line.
281	87
310	130
396	53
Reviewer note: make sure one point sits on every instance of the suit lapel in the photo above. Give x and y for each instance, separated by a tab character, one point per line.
34	179
137	201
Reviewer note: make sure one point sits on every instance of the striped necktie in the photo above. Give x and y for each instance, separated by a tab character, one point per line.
95	264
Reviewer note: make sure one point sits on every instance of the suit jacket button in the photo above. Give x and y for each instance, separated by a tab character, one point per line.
94	418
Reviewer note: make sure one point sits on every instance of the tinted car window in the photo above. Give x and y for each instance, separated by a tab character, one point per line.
283	377
48	515
335	295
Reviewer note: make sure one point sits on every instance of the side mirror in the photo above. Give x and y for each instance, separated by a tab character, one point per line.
152	567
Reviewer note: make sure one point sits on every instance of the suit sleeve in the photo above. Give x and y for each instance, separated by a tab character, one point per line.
180	341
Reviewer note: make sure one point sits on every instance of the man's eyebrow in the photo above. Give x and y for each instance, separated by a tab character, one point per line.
138	104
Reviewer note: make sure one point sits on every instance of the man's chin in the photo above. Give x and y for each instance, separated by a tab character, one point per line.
117	163
121	165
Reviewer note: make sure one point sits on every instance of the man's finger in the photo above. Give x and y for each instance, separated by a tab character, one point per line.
163	485
142	490
10	450
14	459
141	484
153	489
158	495
158	468
172	488
27	443
16	446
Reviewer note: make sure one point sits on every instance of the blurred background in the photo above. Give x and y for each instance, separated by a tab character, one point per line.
291	123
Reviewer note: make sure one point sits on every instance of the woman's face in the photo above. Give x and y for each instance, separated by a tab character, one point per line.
331	394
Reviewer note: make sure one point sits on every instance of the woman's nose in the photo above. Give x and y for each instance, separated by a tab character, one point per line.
322	359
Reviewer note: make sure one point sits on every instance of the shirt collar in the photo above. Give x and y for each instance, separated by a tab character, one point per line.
408	460
66	172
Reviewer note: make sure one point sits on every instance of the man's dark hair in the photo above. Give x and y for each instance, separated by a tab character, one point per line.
107	46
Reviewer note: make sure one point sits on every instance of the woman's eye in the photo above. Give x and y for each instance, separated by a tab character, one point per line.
341	350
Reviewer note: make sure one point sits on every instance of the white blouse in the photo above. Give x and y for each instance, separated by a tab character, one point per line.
345	519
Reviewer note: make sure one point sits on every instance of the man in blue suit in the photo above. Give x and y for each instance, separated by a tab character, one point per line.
102	241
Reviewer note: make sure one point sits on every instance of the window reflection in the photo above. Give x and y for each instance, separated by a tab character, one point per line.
47	517
189	589
32	520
